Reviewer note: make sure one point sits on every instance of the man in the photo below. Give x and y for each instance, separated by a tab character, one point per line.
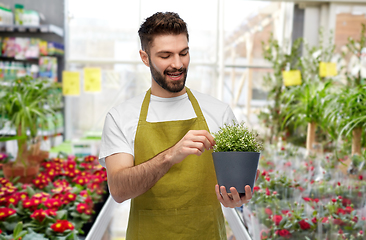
155	147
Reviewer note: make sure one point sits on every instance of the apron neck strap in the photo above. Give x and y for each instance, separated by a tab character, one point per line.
146	102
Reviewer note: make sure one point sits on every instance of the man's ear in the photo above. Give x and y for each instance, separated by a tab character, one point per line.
144	58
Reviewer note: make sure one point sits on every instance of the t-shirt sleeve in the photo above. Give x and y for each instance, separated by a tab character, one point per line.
113	138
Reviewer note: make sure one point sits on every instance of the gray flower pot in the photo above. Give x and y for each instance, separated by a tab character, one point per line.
236	169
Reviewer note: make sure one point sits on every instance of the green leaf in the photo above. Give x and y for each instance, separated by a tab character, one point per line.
34	236
30	191
61	214
18	229
85	216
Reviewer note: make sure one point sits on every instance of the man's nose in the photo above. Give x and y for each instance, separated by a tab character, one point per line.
177	62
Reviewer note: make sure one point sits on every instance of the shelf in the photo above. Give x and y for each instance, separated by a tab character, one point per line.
28	59
33	29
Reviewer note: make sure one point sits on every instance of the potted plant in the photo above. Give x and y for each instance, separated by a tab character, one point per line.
236	156
24	107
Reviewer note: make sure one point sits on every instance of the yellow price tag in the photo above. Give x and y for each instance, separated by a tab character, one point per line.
291	78
70	83
92	79
327	69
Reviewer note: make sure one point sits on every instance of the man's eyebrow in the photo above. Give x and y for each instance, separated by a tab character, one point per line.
163	51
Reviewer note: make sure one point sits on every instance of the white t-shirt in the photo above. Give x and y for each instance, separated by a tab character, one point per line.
121	121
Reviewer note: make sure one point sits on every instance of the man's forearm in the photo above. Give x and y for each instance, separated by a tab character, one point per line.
134	181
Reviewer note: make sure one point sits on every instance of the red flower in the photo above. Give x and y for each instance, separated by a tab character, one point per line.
70	164
61	226
31	204
306	199
360	177
338	183
6	212
84	193
70	197
314	220
12	199
283	233
334	200
39	215
53	203
316	200
256	188
268	192
325	220
348	209
81	180
83	208
285	211
90	158
346	202
277	219
340	211
338	221
304	225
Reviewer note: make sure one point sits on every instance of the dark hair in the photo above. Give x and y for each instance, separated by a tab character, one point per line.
160	24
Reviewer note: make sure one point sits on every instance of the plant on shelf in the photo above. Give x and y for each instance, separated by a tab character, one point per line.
57	204
348	107
24	107
277	55
236	156
305	104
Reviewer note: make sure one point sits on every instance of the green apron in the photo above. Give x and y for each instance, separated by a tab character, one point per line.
183	203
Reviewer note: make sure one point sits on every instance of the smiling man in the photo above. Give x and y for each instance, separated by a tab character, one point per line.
157	146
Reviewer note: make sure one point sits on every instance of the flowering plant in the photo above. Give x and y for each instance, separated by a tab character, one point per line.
5	158
56	204
300	204
237	138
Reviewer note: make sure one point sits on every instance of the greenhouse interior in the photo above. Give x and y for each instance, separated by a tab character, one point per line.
76	78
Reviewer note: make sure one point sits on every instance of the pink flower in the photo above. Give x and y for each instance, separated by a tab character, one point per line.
268	211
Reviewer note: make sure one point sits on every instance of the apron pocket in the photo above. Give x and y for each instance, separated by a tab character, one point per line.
176	224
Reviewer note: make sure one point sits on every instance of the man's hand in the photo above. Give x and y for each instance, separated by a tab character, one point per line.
233	199
194	142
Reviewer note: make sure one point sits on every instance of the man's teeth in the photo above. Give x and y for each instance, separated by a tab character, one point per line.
177	74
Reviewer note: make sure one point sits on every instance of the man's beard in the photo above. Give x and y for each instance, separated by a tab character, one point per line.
172	86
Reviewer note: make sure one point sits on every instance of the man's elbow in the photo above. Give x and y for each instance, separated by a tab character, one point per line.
118	197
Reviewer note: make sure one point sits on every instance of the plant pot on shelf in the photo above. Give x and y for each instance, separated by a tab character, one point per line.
40	157
236	169
25	174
